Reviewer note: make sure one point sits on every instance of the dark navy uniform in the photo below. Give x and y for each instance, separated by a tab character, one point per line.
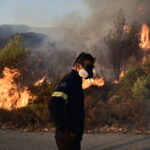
67	110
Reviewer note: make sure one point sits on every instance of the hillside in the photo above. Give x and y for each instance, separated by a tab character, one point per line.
32	64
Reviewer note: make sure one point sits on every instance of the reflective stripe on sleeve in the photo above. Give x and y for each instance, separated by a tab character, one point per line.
60	94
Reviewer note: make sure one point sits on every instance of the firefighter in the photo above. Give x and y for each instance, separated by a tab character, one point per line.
67	104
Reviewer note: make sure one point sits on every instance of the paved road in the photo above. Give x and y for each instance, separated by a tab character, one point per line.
17	140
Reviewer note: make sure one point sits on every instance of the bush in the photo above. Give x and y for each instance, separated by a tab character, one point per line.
41	111
146	67
5	116
43	92
121	114
32	116
131	76
141	88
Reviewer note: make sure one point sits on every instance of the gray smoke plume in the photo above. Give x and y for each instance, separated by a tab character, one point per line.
72	35
100	22
102	12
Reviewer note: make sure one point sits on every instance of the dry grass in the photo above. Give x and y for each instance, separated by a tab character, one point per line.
117	112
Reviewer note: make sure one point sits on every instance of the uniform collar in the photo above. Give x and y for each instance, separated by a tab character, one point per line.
76	75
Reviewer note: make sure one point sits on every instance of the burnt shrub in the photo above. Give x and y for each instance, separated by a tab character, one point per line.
5	116
33	116
124	105
127	114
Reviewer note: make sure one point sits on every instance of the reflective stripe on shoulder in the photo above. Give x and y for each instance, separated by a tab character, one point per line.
60	94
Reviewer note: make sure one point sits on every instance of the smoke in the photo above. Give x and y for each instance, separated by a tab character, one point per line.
100	22
73	34
102	12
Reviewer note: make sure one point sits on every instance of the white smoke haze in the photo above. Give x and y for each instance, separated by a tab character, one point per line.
73	34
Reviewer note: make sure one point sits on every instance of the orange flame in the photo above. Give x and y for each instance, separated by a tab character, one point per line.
120	77
145	38
11	95
127	28
121	74
39	82
96	82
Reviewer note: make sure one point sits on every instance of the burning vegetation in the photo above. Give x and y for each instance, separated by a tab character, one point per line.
145	38
93	82
24	89
39	82
12	96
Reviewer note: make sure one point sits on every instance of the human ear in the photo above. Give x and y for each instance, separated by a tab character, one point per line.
78	66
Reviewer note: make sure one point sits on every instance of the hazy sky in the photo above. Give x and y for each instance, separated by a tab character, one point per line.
40	12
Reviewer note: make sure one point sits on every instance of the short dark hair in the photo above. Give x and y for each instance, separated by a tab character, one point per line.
84	56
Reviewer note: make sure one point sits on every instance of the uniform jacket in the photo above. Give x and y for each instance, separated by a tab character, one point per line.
67	103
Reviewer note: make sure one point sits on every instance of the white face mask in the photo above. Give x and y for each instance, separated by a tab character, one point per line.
83	73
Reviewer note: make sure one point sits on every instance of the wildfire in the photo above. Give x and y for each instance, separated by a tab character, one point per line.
127	28
11	95
120	77
39	82
121	74
89	82
145	37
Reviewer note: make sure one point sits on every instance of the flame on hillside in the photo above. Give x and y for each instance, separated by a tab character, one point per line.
145	37
96	82
120	77
121	74
11	95
127	28
39	82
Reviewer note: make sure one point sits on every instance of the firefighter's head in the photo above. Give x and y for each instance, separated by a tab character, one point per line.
84	65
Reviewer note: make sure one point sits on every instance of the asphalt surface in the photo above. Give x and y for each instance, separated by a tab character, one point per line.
17	140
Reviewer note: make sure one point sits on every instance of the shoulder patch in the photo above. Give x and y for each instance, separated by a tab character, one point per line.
63	84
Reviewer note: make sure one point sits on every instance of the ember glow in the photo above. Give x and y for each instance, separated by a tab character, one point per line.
13	96
96	82
39	82
121	74
127	28
145	37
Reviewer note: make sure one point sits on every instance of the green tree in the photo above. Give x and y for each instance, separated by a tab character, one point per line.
12	52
